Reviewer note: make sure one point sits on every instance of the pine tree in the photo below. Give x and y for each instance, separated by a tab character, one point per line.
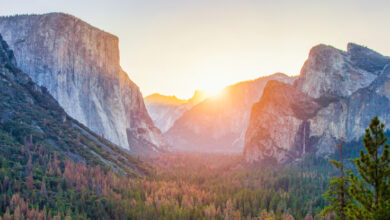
371	192
43	189
29	166
337	194
29	182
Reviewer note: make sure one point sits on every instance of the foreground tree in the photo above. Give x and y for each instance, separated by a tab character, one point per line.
371	192
338	193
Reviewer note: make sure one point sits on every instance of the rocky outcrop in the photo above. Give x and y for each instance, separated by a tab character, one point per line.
336	96
219	123
79	65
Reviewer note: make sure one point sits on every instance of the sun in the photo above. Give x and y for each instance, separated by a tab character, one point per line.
214	92
213	86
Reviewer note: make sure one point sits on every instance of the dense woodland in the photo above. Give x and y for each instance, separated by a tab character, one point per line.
37	182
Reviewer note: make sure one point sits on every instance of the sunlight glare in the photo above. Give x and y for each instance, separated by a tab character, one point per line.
214	92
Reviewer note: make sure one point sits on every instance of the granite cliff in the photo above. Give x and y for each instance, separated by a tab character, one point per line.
335	96
79	65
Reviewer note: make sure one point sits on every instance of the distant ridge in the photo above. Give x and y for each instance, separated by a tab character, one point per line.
164	110
219	124
157	98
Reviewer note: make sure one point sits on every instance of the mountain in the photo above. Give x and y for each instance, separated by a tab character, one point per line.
197	97
157	98
336	96
219	123
31	117
165	110
79	65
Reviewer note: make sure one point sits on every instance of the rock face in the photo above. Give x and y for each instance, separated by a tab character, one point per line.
282	113
219	123
331	72
336	96
79	65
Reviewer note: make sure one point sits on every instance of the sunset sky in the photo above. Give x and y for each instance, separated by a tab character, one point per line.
175	47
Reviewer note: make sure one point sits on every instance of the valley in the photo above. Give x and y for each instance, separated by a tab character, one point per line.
79	141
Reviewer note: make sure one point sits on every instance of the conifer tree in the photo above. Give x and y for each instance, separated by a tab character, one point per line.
43	188
337	194
371	191
29	182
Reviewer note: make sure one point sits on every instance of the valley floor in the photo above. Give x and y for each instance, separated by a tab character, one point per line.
39	184
221	186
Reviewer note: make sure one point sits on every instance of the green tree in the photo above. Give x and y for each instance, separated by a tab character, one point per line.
338	196
371	192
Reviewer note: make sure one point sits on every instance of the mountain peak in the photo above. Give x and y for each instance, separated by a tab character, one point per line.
61	20
198	96
157	98
366	58
322	51
332	72
278	74
353	47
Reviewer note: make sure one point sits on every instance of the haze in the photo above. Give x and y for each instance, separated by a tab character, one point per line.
175	47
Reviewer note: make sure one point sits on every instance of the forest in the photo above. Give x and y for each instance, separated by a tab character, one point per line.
40	182
37	184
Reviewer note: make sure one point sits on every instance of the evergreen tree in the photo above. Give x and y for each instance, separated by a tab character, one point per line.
337	194
43	188
371	192
30	182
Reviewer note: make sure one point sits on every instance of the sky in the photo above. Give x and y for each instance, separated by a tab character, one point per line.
174	47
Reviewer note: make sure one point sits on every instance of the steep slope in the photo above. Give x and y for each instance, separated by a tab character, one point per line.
30	116
165	110
219	123
346	89
79	65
